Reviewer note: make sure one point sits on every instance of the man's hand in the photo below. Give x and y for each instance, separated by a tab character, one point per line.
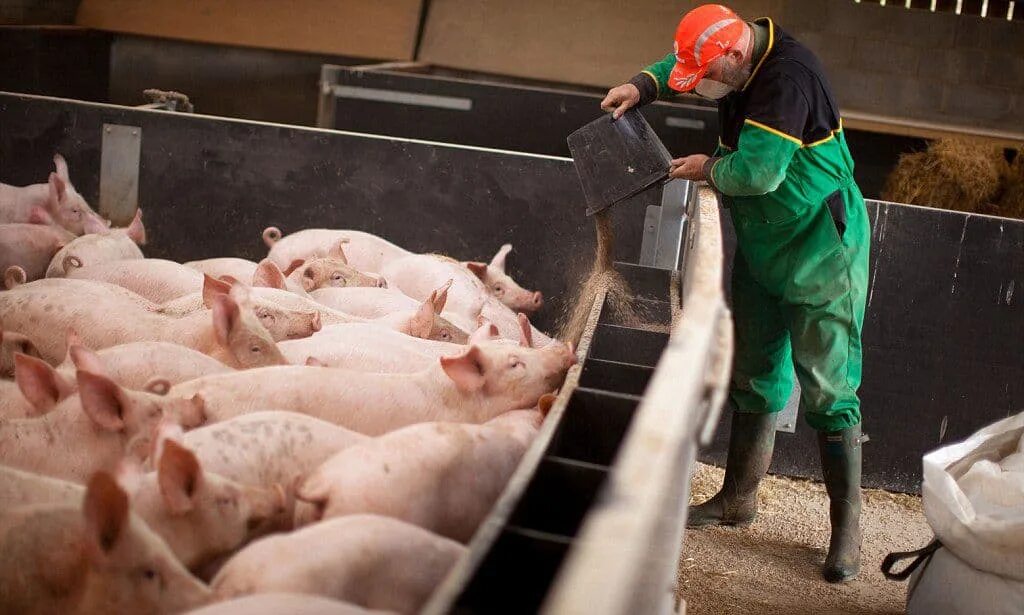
688	167
620	99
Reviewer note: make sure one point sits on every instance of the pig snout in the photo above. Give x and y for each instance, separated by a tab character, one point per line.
305	324
192	413
537	300
382	283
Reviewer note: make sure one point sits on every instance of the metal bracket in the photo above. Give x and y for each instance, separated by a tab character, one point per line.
665	227
119	173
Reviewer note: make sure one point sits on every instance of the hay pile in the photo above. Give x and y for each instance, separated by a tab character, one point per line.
952	173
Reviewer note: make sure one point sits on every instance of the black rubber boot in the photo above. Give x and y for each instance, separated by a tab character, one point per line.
841	466
750	452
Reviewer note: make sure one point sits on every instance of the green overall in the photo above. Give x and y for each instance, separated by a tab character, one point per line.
800	274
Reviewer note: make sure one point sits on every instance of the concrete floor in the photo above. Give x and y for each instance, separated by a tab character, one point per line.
773	565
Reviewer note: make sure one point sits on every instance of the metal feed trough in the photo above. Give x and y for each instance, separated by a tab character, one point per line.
609	471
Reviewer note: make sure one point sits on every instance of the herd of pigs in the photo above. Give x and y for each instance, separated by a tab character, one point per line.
319	432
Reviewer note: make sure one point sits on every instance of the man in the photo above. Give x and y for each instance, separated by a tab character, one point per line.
800	272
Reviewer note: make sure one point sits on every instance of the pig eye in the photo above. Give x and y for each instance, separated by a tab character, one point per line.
150	574
498	290
337	277
514	362
255	349
446	334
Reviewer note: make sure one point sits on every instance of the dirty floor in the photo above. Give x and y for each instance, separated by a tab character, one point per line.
773	565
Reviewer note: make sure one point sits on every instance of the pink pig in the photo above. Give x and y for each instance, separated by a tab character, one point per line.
58	198
475	386
99	246
155	279
93	557
443	477
374	562
92	430
30	247
366	252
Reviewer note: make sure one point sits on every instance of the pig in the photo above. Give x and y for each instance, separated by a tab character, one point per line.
93	557
37	388
155	279
366	252
504	288
475	386
98	247
374	562
269	448
199	514
443	477
93	429
30	247
279	603
332	270
422	321
374	303
132	365
367	348
12	343
231	332
57	198
262	274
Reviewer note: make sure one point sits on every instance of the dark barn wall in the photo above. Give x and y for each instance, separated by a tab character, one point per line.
208	187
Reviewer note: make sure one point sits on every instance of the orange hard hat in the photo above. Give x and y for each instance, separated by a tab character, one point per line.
704	34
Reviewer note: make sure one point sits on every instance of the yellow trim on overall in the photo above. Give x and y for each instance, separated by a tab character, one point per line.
657	88
777	133
831	135
771	43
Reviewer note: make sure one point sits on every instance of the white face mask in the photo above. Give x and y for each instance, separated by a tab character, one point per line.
709	88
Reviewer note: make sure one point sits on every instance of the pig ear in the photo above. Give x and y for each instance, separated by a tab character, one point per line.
338	252
423	320
58	189
499	258
525	331
309	279
61	166
314	362
225	317
40	383
94	225
487	332
86	359
295	264
14	276
466	370
105	508
102	400
268	275
157	386
38	215
212	288
442	296
179	476
478	269
315	489
545	402
137	232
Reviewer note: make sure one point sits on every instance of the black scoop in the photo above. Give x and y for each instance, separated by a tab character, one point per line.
617	159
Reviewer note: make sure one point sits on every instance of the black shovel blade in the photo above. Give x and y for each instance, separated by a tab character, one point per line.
617	159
